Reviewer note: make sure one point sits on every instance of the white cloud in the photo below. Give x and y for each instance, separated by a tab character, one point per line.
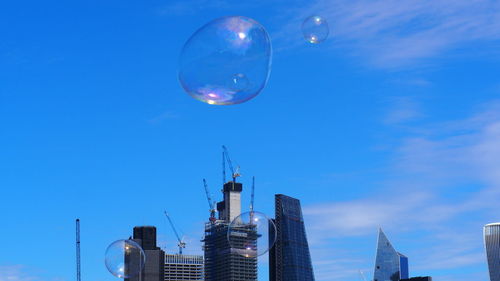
15	273
395	33
443	187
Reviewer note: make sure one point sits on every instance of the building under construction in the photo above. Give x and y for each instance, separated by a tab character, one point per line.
222	260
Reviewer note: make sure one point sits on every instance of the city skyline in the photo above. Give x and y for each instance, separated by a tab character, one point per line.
393	121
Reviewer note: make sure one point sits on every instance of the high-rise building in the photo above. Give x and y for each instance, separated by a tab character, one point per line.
222	262
492	246
183	267
426	278
390	265
289	259
155	257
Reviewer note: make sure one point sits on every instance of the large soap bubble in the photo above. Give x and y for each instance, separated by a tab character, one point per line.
315	29
227	61
125	258
251	234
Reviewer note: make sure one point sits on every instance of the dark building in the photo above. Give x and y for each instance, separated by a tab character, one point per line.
155	257
223	262
427	278
289	259
390	265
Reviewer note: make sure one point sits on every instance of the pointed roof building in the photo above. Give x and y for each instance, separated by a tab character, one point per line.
390	265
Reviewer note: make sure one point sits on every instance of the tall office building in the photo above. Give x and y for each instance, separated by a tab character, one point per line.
222	262
390	265
183	267
492	246
155	257
289	259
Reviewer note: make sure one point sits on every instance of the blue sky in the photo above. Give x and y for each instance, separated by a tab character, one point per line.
392	122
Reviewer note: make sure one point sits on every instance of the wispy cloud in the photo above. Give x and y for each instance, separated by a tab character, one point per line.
167	115
403	109
392	33
443	185
15	273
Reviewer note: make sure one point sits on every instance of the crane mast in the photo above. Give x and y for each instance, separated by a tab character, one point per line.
78	262
253	194
211	203
181	243
226	158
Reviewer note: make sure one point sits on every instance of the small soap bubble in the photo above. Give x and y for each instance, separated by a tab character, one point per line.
251	234
227	61
125	258
240	82
315	29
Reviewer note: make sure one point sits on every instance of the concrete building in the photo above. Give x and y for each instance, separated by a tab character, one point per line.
183	267
289	259
153	269
222	262
492	247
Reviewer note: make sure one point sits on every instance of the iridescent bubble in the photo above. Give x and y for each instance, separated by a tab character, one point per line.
315	29
125	258
251	234
227	61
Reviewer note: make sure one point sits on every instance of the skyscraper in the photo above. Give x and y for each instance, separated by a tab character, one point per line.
155	257
223	263
390	265
183	267
426	278
492	246
289	259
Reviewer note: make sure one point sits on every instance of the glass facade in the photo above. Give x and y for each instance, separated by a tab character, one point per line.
290	259
390	265
492	246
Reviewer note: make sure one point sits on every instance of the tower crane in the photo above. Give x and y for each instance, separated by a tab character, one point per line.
253	194
181	243
226	158
211	203
78	263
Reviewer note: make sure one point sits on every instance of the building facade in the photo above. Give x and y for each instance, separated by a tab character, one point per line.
153	269
289	259
183	267
390	265
492	246
223	262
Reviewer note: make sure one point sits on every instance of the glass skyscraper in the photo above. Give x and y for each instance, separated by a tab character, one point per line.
390	265
492	246
289	259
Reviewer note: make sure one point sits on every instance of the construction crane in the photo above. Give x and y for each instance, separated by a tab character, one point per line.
78	264
253	194
226	158
181	243
211	203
